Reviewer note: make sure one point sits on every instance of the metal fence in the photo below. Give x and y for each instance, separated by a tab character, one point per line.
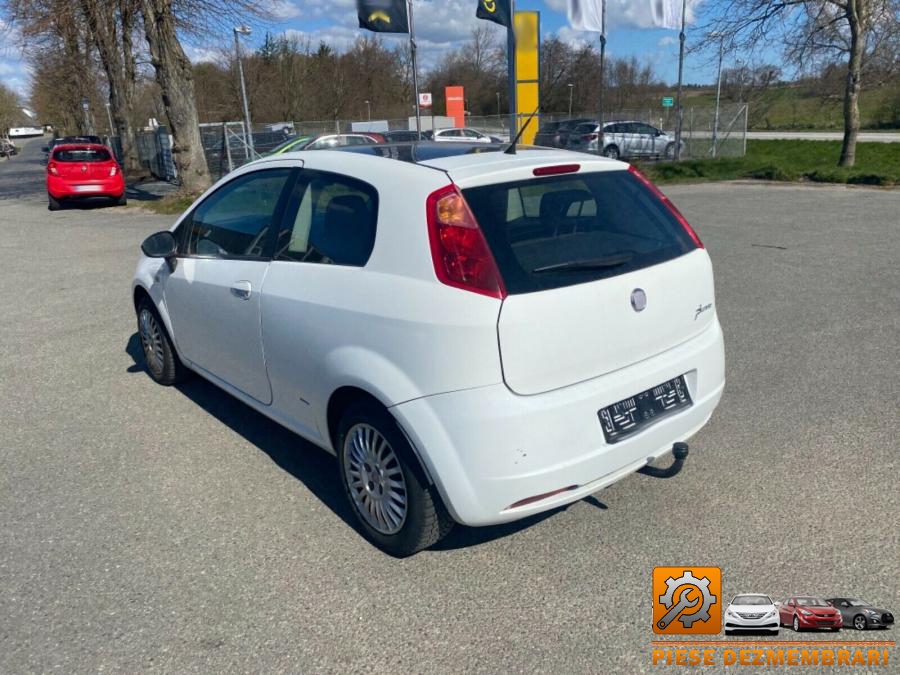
706	133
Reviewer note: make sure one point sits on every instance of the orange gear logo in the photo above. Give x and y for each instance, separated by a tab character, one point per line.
687	600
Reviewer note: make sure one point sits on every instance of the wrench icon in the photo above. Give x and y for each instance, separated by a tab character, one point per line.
682	604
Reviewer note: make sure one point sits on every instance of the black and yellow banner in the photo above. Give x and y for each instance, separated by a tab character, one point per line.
383	16
497	11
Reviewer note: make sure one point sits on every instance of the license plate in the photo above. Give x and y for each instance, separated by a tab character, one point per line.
634	414
87	188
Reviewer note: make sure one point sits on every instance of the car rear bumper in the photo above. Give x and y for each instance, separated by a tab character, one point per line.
63	188
488	449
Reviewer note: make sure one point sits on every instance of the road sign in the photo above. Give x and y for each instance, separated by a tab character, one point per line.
425	100
668	102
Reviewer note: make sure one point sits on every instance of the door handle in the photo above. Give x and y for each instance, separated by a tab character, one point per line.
241	289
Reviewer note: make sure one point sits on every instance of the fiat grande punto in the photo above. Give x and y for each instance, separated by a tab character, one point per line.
477	336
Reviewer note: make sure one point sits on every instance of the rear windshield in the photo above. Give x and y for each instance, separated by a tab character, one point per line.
564	230
82	155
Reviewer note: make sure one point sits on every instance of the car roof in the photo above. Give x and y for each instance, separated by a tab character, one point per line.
75	145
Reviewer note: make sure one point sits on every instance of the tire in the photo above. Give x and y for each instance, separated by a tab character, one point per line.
160	359
729	632
835	629
859	622
796	624
669	152
53	204
122	201
400	519
611	151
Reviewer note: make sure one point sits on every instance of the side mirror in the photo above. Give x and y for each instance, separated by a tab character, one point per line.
160	245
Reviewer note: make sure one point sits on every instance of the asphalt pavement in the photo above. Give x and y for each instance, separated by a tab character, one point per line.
150	529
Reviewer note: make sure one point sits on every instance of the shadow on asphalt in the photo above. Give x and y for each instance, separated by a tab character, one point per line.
310	464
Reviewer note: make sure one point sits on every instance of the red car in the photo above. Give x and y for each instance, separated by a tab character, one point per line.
803	612
78	170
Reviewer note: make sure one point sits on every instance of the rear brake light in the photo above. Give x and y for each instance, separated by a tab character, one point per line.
51	167
589	137
113	170
459	250
556	170
668	204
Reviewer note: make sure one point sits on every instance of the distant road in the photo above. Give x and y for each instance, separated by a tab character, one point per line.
23	175
864	137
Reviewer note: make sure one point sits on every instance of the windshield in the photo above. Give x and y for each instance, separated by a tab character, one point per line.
81	155
751	600
859	603
571	229
811	602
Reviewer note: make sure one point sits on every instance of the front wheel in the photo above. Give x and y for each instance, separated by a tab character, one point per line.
859	622
162	362
796	624
835	629
395	506
670	151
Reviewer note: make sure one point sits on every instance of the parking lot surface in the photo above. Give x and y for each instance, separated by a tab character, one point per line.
146	529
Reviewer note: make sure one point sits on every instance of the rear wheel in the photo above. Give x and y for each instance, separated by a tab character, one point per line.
611	151
53	204
122	201
395	506
161	360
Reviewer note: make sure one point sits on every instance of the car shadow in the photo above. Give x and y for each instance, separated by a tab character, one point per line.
310	464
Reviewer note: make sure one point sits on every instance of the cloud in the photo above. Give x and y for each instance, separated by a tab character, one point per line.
667	41
198	54
282	10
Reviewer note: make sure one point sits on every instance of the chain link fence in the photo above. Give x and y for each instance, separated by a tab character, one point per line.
706	133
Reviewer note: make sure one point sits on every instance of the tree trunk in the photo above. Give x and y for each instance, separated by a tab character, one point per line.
855	17
103	22
174	75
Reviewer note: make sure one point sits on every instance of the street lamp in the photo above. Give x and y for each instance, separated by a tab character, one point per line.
498	105
243	30
715	134
369	110
571	90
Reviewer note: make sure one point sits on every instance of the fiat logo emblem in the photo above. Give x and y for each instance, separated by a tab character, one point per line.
638	300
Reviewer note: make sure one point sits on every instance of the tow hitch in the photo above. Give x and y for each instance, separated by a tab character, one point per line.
679	454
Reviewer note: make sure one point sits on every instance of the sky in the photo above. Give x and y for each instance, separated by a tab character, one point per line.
441	25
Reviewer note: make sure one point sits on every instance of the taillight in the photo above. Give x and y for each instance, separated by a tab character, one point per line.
459	251
113	170
51	167
668	204
589	137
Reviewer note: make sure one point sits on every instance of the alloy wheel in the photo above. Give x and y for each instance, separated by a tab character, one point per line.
859	623
152	341
375	479
796	624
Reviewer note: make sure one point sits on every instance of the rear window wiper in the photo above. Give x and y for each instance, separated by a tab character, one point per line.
582	265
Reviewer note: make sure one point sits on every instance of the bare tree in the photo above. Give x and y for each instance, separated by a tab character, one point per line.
10	110
809	29
174	74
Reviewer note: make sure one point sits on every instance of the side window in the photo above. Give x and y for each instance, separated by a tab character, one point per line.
330	219
235	220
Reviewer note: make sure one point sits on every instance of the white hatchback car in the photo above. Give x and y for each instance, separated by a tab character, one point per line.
751	611
477	336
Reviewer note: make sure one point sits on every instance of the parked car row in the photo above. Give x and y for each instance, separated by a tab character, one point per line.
335	141
758	612
620	139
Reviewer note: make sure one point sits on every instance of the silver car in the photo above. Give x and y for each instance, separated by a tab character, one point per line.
623	139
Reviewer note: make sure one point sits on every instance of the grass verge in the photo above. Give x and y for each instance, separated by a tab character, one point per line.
171	205
876	164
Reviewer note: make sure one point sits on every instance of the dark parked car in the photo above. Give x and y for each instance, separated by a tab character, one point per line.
861	615
802	612
405	136
548	135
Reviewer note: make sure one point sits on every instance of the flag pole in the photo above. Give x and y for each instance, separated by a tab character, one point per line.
679	114
511	74
415	68
602	76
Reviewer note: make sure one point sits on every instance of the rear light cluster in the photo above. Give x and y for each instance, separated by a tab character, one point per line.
51	167
668	204
590	137
459	251
113	170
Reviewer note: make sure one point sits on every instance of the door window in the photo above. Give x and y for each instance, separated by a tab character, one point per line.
235	220
330	219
